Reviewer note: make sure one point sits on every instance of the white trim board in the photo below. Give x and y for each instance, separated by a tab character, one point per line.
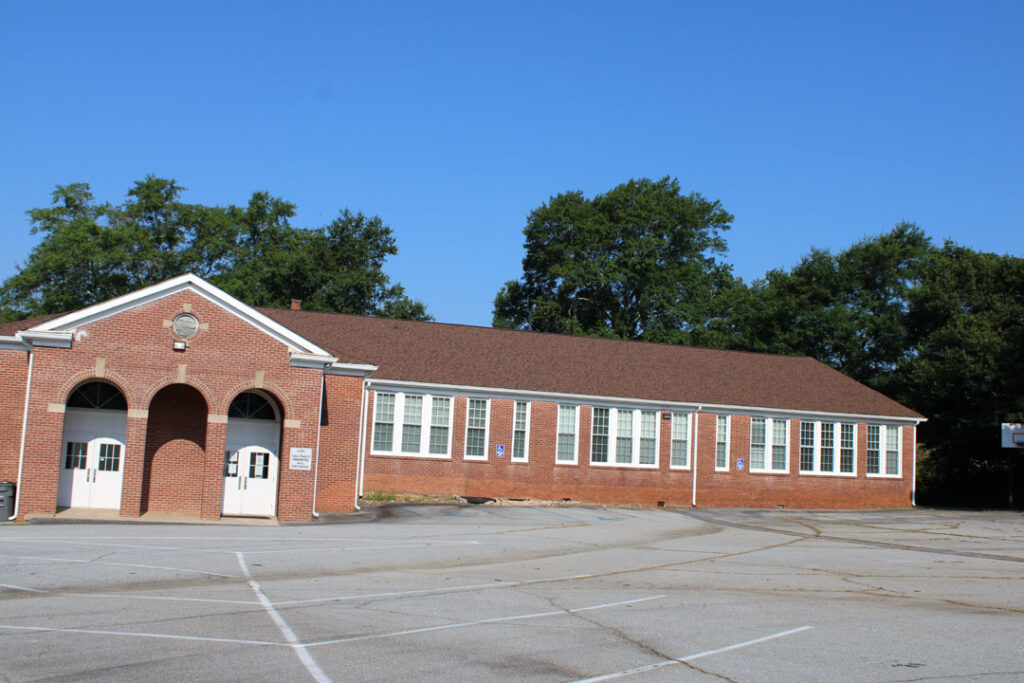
182	283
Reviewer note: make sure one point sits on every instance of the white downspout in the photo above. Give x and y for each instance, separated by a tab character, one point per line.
913	485
319	426
361	451
24	431
696	432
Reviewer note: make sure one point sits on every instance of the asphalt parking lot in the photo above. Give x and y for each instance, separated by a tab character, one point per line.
531	593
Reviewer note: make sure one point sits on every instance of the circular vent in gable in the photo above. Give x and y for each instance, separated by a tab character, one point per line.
186	325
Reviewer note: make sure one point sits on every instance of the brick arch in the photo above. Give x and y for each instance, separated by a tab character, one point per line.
86	376
175	451
167	380
269	388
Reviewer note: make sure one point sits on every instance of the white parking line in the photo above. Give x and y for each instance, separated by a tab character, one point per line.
100	632
495	620
129	596
300	650
113	564
689	658
427	591
20	588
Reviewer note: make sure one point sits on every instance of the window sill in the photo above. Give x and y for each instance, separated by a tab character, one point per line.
884	476
623	466
809	473
427	456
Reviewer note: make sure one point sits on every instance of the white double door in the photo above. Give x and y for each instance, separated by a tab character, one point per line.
92	461
250	467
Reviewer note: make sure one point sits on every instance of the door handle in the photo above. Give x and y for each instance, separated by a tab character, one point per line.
245	484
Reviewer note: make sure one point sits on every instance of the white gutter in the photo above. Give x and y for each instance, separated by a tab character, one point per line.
24	431
319	426
361	451
619	401
696	431
913	484
56	340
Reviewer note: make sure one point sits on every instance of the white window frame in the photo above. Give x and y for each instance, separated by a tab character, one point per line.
636	421
526	436
769	443
883	450
487	429
687	420
837	457
728	438
426	422
576	434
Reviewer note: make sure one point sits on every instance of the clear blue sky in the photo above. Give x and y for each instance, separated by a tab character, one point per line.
814	123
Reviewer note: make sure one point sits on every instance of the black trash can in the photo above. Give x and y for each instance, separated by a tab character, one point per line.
6	500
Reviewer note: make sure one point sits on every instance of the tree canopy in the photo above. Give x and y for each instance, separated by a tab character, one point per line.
638	262
93	251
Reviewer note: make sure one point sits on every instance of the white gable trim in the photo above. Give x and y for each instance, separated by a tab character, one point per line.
188	282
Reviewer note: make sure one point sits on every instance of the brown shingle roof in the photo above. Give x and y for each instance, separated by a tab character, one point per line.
8	329
461	355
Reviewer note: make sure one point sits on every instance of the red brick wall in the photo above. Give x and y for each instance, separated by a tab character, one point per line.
13	370
543	479
228	356
175	451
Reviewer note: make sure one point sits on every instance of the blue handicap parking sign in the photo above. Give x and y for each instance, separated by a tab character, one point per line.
499	450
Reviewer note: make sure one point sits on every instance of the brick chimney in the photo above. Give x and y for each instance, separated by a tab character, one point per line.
296	305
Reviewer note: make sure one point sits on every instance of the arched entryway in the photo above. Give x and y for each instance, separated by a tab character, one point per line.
251	457
172	480
92	462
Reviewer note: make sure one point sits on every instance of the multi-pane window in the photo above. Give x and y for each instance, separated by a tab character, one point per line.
440	418
521	431
599	435
412	424
827	447
624	439
476	428
110	457
635	439
406	436
74	457
884	450
567	425
779	441
846	441
806	446
721	442
873	442
648	437
769	444
892	450
680	440
383	422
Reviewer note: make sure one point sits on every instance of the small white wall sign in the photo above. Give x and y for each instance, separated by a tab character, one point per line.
300	458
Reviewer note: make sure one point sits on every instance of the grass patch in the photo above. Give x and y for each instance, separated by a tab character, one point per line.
391	497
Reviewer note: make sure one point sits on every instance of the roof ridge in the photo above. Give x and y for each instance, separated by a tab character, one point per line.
561	335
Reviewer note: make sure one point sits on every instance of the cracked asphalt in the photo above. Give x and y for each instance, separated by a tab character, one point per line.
455	593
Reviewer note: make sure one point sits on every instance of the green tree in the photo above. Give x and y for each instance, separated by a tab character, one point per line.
91	252
967	371
848	310
638	262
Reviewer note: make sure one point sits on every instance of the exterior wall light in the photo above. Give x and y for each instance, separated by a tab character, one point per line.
179	345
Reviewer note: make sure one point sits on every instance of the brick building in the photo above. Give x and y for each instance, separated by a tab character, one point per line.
179	398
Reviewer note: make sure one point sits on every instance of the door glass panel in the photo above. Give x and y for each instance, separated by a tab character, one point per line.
74	457
259	465
110	457
231	463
